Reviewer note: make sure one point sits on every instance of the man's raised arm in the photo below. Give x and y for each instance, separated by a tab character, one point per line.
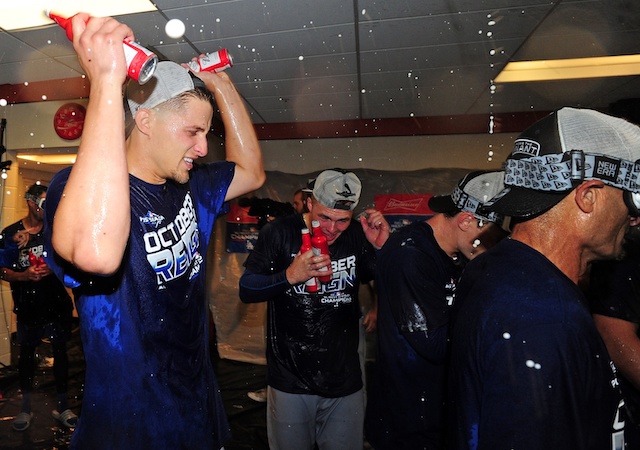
92	221
241	142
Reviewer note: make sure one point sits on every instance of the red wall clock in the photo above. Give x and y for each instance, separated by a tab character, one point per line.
68	121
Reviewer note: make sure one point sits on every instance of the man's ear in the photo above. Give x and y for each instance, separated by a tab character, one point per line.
465	220
142	120
309	203
587	194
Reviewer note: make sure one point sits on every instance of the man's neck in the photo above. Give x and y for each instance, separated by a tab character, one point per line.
556	245
443	233
32	224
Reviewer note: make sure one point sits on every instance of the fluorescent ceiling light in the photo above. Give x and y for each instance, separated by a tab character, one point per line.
21	14
62	158
566	69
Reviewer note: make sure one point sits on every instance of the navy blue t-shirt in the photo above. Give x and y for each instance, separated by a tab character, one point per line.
528	367
35	303
149	378
416	283
312	343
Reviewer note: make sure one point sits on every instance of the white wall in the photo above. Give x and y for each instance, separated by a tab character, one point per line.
387	153
30	126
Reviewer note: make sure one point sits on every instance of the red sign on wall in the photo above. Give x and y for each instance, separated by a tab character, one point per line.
242	229
402	209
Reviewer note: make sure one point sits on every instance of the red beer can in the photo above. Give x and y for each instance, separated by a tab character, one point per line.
141	63
212	62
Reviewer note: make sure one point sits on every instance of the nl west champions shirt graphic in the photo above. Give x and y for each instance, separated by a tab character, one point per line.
344	276
172	245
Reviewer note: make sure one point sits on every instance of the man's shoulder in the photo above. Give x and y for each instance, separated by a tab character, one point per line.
508	260
60	177
212	168
417	235
284	225
56	186
418	227
512	273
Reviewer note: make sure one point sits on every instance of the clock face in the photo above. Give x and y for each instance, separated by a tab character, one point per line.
69	120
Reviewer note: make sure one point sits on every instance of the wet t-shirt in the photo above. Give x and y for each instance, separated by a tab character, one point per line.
149	378
35	303
416	283
312	343
529	369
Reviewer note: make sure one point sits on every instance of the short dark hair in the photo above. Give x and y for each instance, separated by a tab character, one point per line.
36	190
305	193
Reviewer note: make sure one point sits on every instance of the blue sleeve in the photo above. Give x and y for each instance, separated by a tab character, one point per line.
8	253
8	248
255	287
265	268
210	183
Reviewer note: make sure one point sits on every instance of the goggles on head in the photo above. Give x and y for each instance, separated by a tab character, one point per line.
466	202
39	201
560	172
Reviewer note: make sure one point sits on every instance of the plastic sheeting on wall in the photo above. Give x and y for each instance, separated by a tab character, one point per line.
241	328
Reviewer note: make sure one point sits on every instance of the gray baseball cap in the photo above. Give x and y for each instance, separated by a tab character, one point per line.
337	189
168	81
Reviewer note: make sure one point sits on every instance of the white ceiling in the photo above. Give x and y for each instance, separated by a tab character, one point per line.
330	60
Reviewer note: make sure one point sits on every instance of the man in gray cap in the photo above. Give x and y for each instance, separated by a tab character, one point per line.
315	389
529	369
417	272
128	226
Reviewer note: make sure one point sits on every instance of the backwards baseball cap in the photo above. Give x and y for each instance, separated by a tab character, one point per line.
168	81
337	189
562	150
470	194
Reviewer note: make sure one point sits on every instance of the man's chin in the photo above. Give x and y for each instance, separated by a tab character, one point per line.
180	177
331	241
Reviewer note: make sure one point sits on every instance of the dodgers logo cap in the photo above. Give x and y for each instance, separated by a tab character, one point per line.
337	189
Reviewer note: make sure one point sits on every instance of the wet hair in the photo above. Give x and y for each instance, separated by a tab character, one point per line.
200	92
451	214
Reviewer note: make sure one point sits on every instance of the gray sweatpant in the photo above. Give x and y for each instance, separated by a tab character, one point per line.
298	421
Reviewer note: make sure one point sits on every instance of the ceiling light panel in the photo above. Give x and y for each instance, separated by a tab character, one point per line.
567	69
32	13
